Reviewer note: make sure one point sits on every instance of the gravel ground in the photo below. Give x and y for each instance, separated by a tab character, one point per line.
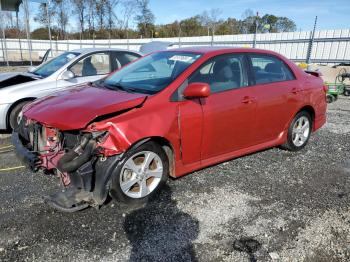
269	206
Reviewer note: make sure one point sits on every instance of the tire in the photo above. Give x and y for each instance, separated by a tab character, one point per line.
13	118
299	132
330	99
347	92
129	177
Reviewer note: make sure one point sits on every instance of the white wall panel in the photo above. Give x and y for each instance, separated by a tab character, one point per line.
296	49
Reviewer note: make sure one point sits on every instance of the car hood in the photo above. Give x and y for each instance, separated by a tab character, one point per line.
16	78
4	76
75	108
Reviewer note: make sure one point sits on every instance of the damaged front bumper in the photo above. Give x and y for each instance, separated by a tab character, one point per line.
84	171
29	158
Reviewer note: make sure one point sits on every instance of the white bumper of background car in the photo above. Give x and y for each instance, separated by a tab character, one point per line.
3	113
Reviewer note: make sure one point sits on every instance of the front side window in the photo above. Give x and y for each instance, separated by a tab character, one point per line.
222	73
54	64
269	69
151	73
95	64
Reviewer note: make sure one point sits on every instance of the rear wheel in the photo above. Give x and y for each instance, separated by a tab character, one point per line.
299	132
142	173
347	92
14	115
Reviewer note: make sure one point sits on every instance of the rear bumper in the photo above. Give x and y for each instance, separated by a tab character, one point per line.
29	158
319	122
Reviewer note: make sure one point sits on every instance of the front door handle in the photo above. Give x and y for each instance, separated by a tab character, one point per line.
248	100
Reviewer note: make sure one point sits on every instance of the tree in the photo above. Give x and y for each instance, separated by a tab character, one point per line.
61	16
80	7
41	15
284	24
229	26
128	10
111	16
247	24
100	6
268	23
145	18
90	17
210	19
192	26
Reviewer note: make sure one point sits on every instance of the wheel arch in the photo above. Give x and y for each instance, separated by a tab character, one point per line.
309	109
165	144
26	99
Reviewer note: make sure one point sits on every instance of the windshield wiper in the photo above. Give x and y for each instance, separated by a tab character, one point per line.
117	86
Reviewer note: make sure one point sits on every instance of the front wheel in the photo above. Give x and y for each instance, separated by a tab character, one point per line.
299	132
15	113
143	171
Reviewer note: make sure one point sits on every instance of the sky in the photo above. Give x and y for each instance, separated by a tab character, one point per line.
331	14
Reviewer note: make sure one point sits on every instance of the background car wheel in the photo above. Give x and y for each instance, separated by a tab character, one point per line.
299	132
143	171
346	92
13	118
330	99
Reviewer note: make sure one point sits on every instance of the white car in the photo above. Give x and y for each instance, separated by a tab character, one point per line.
66	70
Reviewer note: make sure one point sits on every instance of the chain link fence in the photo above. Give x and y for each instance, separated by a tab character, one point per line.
326	47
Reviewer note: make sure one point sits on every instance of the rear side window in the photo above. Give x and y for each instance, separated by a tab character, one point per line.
222	73
123	58
269	69
95	64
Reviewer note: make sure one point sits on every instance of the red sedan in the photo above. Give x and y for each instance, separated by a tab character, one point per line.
167	114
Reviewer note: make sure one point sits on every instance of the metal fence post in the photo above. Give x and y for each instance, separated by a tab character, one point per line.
29	42
49	24
309	50
180	34
19	36
3	44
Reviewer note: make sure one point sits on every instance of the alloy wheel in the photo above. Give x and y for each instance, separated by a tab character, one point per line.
301	131
141	174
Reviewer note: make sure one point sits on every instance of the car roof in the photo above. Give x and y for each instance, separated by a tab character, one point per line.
101	49
218	49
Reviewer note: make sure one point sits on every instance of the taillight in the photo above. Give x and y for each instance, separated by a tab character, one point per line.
325	88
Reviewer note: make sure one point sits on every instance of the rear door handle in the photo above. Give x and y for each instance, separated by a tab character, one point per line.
248	100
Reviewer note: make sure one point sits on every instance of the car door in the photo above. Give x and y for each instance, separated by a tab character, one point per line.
278	95
229	111
88	69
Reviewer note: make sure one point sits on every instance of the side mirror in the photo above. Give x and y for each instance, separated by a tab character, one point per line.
31	69
197	90
67	75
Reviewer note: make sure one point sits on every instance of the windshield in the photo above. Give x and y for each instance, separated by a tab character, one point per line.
54	64
152	73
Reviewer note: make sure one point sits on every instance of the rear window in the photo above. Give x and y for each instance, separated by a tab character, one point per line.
270	69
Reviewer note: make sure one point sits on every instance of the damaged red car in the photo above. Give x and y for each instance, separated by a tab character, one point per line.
167	114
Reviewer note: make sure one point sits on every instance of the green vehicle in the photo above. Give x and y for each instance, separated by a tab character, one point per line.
334	90
338	87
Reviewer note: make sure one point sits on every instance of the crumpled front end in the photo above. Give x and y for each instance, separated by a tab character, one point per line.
75	156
